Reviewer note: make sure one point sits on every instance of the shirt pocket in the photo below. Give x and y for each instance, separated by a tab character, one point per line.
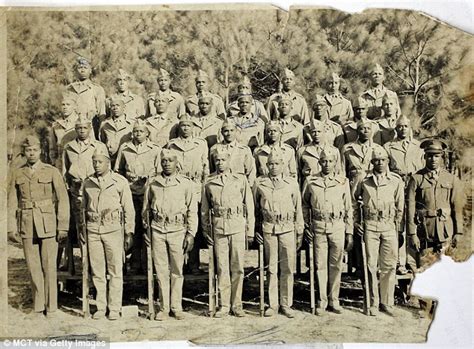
45	185
23	185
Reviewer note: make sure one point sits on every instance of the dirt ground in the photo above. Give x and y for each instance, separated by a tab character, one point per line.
351	326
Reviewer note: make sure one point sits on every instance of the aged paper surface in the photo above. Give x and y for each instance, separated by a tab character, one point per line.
427	63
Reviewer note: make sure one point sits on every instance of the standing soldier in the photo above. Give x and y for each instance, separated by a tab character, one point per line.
298	109
361	108
206	124
327	209
38	217
309	155
292	130
280	228
340	108
257	107
381	196
241	160
116	130
405	158
137	160
134	105
251	127
227	215
63	130
162	125
202	86
109	224
90	96
176	101
274	143
435	202
333	133
374	95
388	121
173	225
192	153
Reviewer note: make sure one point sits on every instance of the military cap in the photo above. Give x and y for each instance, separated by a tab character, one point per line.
122	74
82	120
329	153
273	124
360	103
161	98
333	77
30	141
81	61
287	73
276	155
403	120
205	97
433	146
101	152
201	74
228	122
186	119
245	81
69	97
220	153
316	124
319	100
140	123
168	153
116	99
284	97
389	97
364	121
377	68
379	153
163	73
245	96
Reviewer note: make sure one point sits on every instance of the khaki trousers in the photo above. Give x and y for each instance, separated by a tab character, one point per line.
329	251
168	259
230	255
41	255
106	257
382	253
280	251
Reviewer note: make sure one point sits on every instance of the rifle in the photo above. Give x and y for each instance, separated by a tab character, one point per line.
212	277
85	269
261	266
311	269
149	269
364	262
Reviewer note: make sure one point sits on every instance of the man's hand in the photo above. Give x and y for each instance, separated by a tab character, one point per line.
299	241
259	238
415	242
359	229
209	239
13	236
128	242
147	240
188	243
309	236
455	241
349	242
62	236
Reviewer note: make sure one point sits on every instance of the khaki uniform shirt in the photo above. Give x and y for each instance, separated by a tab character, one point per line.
90	98
340	108
227	205
292	133
114	132
172	204
435	204
241	160
137	163
257	109
278	205
308	159
251	129
192	106
176	107
162	128
207	127
134	105
299	109
261	158
107	204
357	159
333	133
38	203
382	202
327	204
62	132
386	130
406	157
374	98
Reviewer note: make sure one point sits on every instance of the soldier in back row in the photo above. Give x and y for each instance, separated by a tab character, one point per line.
257	108
176	101
202	87
162	125
134	105
292	130
340	108
206	124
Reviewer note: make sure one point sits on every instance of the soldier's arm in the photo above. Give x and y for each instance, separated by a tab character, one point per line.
339	168
62	199
126	202
349	211
250	168
305	117
220	109
100	101
262	112
400	202
299	219
53	146
205	161
411	207
192	210
205	208
249	208
141	109
299	140
457	204
270	108
12	206
306	204
350	111
293	168
65	163
119	166
356	196
339	139
146	203
181	106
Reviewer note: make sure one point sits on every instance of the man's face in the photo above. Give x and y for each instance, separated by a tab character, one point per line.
201	84
389	107
122	84
168	164
68	107
319	110
288	82
245	105
83	131
284	108
275	167
364	132
140	134
403	130
360	112
205	106
164	83
101	165
83	72
377	77
244	89
228	133
273	135
117	108
186	129
328	165
333	85
32	154
161	105
433	160
317	135
222	163
380	165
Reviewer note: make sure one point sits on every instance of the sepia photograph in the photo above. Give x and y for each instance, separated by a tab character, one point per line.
229	175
